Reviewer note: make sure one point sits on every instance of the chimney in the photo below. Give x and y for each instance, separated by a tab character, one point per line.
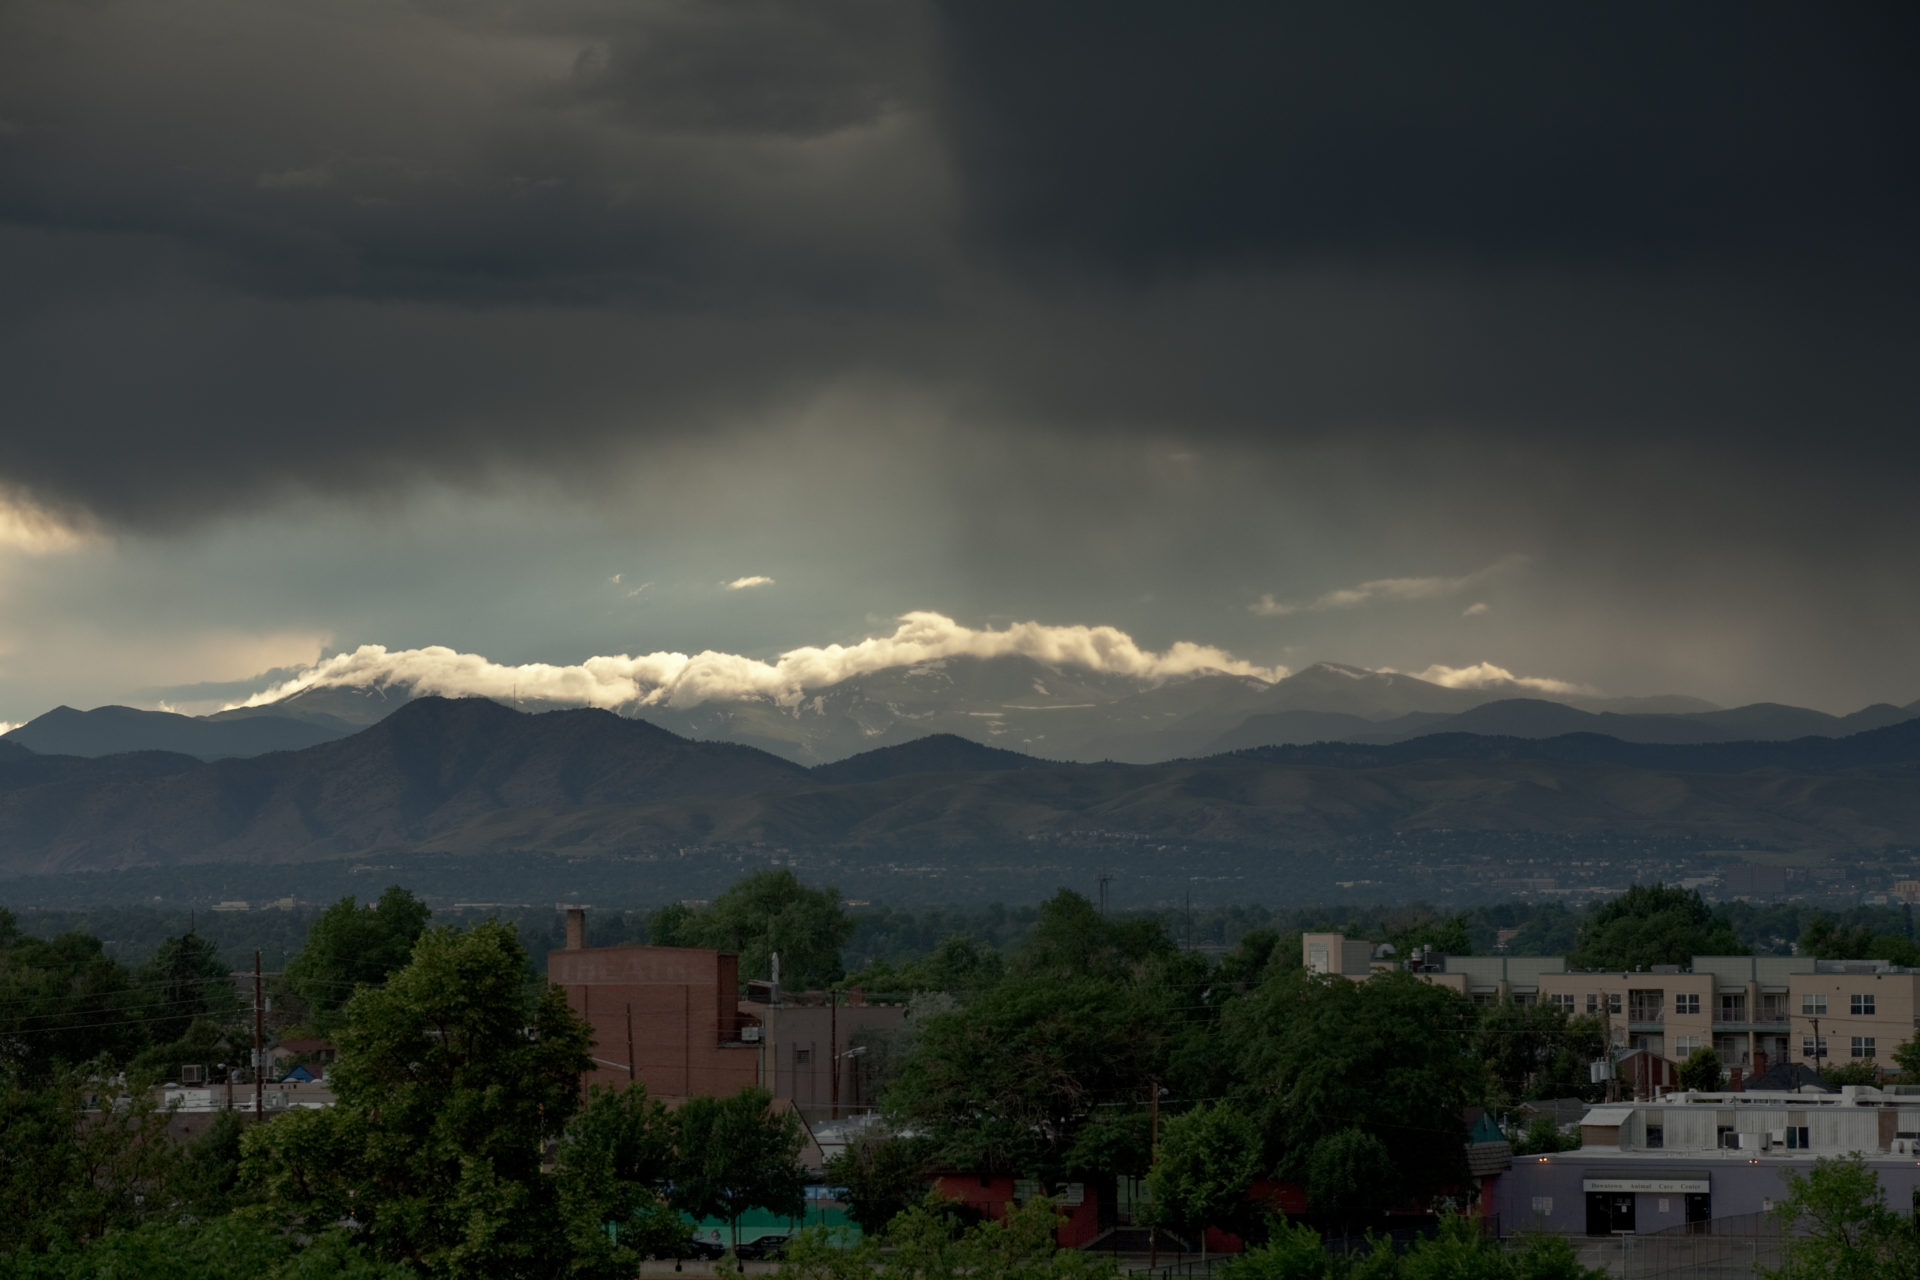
576	928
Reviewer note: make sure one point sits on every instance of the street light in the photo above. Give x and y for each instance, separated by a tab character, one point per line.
853	1052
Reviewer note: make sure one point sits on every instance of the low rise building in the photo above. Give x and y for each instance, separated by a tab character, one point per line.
1695	1157
668	1017
1753	1011
678	1012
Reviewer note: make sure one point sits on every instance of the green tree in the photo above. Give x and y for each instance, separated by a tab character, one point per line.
1907	1059
1070	937
1543	1137
612	1167
1207	1160
1025	1079
1290	1252
1352	1179
765	913
64	1002
958	966
79	1159
1853	1071
1838	1226
1535	1051
1701	1070
349	946
450	1080
1824	939
1243	967
1461	1250
1446	934
1047	1074
1649	925
927	1243
1394	1057
205	1181
735	1154
187	980
228	1248
1458	1251
882	1176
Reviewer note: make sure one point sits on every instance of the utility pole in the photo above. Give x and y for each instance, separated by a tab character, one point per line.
1818	1047
833	1045
1106	878
1153	1154
259	1046
630	1074
1606	1033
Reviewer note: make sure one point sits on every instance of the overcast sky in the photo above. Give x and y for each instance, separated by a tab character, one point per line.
1580	340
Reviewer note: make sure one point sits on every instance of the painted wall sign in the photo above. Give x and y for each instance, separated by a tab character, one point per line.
1659	1186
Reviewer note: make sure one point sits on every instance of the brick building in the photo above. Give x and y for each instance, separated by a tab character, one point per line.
816	1053
693	1036
689	1037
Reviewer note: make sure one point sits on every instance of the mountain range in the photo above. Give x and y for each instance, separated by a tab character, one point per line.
472	776
1013	702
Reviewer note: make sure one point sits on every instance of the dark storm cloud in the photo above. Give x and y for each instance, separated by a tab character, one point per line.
755	67
255	247
1633	133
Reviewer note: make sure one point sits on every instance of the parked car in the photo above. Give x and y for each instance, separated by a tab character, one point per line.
708	1248
764	1249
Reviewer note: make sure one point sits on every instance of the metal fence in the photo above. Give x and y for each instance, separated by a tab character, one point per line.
1733	1248
1191	1267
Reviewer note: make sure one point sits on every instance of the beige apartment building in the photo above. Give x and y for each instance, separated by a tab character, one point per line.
1754	1011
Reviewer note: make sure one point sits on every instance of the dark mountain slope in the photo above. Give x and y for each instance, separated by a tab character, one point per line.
937	753
1877	748
472	776
1299	728
1244	804
431	765
11	751
106	731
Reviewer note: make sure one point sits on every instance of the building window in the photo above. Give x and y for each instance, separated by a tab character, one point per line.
1687	1002
1656	1137
1685	1046
802	1057
1613	1002
1733	1008
1561	1001
1811	1048
1863	1046
1812	1004
1862	1006
1593	1003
